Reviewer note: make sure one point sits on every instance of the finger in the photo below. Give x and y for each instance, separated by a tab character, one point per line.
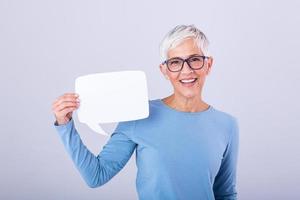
70	99
66	104
60	107
54	104
65	99
68	95
67	110
60	99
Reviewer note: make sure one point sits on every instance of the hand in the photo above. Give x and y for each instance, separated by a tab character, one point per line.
64	106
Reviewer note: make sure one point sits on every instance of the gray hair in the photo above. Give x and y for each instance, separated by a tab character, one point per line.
181	33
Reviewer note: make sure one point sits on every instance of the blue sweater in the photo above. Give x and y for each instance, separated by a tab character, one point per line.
179	155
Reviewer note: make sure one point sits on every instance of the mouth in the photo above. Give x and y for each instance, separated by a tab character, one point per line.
188	82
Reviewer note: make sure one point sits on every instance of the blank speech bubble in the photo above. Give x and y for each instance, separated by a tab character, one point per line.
112	97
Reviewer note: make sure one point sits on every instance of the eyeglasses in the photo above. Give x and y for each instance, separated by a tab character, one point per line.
194	62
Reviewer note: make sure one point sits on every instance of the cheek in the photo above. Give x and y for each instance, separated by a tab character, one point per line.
202	72
201	76
174	78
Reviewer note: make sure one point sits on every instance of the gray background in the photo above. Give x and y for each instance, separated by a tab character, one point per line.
45	45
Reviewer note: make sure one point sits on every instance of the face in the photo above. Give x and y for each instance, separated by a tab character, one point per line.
189	90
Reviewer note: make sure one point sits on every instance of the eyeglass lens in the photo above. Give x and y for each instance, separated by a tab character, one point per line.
176	64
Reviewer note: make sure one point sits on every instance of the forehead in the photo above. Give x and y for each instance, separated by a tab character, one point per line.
186	48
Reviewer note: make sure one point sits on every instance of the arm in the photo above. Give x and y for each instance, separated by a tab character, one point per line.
97	170
225	182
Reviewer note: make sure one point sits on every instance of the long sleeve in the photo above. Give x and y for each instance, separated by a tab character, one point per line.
97	170
225	182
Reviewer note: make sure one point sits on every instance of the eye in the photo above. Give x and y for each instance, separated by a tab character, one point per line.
195	59
174	62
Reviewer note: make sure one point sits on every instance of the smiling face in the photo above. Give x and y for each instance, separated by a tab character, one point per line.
188	90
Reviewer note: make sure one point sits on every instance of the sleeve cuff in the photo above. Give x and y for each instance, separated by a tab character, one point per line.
68	125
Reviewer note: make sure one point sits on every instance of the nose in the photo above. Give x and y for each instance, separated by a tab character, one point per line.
186	68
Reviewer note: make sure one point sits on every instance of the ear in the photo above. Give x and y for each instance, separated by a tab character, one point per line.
209	65
163	70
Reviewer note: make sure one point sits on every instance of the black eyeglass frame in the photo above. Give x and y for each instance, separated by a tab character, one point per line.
185	60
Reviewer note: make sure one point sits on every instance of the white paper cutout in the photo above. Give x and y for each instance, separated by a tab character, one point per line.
112	97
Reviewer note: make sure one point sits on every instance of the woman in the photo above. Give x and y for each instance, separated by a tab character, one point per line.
186	149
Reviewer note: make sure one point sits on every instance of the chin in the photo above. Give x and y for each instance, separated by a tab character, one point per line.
186	92
189	94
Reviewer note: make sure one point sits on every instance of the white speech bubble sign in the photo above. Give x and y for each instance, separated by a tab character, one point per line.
112	97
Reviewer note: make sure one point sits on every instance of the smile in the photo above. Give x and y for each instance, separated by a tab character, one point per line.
188	82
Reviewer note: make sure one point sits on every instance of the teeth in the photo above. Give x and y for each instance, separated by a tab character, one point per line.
188	80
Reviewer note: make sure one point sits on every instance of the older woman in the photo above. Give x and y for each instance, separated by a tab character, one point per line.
186	149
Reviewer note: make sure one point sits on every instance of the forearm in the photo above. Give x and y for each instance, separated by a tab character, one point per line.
97	170
89	166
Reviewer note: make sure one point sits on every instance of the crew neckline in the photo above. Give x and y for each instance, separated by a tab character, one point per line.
209	109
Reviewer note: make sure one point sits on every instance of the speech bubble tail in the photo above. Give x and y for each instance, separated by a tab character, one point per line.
95	127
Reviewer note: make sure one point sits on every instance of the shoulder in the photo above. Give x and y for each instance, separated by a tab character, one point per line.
226	120
224	116
128	127
125	128
153	103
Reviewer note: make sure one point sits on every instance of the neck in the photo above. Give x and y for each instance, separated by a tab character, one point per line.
181	103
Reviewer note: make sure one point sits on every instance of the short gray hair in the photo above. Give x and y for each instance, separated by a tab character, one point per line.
178	34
